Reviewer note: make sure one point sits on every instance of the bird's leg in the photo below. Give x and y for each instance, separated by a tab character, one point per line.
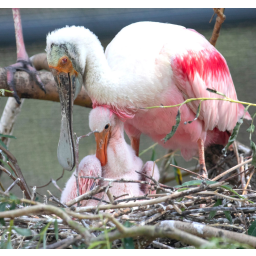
202	167
135	143
23	62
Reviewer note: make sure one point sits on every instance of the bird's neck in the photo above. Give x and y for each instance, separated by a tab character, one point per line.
98	76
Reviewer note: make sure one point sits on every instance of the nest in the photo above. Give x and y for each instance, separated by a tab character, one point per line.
201	213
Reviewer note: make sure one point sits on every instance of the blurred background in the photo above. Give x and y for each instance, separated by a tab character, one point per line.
38	125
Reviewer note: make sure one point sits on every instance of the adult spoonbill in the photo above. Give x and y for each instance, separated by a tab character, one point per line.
114	159
146	64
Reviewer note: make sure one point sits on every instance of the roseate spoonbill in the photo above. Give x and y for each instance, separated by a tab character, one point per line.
146	64
23	62
114	159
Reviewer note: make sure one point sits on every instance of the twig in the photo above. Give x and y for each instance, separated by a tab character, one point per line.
219	20
56	185
55	199
52	180
23	183
161	246
2	187
147	149
197	174
33	197
231	169
12	168
153	201
110	197
71	241
12	185
248	182
231	177
64	243
106	190
242	177
52	209
86	195
216	208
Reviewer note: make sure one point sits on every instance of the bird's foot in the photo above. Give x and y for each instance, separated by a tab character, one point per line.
203	171
22	65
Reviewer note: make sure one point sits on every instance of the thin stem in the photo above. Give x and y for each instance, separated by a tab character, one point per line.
202	99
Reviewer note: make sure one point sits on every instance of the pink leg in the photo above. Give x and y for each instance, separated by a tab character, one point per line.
23	61
202	167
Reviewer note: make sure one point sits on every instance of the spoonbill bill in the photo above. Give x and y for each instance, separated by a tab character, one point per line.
114	159
146	64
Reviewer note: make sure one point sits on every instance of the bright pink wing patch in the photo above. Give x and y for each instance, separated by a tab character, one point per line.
193	73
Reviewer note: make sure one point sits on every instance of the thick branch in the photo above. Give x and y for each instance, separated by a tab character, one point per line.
206	231
154	232
26	88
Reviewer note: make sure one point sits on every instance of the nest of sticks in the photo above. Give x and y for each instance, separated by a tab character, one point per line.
200	213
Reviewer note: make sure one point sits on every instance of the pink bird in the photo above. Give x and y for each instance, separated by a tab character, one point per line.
114	159
147	64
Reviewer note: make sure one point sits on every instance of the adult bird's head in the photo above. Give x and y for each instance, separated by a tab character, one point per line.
66	58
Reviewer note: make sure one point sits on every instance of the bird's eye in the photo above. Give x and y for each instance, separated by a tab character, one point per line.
106	127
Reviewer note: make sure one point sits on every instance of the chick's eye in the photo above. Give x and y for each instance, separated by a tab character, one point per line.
106	127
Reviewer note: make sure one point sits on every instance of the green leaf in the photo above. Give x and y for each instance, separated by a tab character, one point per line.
228	216
7	136
3	207
251	128
23	231
2	222
234	134
195	183
9	245
253	147
128	242
3	145
81	246
252	229
213	213
153	156
177	172
43	234
216	92
2	91
56	230
182	189
197	113
174	128
13	206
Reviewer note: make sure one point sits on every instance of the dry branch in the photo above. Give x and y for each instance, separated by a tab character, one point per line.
150	202
23	184
206	231
219	20
52	209
87	195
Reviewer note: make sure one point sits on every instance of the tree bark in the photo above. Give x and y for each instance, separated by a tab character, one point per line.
27	89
